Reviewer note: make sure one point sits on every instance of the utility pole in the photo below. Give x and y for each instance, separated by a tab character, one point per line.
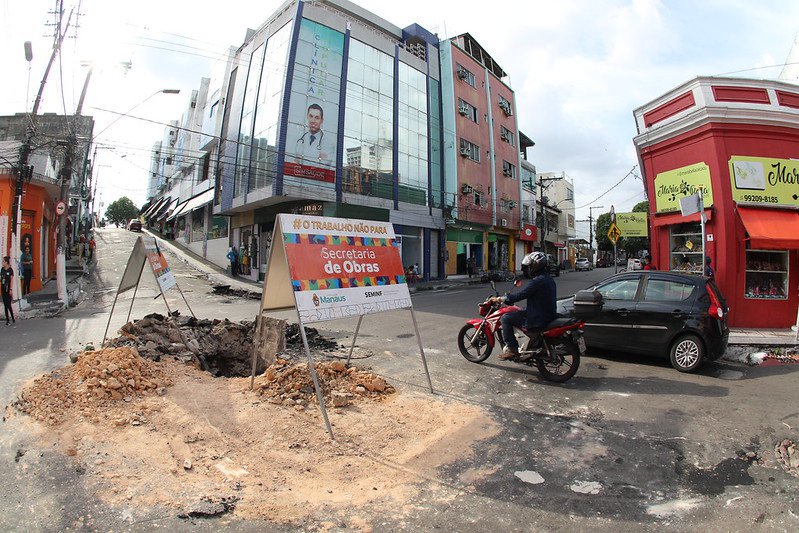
25	172
543	200
591	231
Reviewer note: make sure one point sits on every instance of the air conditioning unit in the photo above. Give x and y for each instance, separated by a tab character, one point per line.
463	110
462	74
504	136
466	189
506	171
503	222
465	152
512	204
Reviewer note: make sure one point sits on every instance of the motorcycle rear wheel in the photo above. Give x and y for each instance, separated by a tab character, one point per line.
476	352
563	364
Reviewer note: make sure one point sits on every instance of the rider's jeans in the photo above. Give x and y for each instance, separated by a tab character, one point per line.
517	319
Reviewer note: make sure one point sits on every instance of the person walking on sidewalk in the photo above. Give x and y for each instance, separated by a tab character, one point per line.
81	249
233	257
92	246
27	270
6	274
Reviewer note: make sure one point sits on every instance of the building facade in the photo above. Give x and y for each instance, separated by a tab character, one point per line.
557	225
736	140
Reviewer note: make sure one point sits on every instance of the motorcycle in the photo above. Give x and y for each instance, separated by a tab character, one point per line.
557	360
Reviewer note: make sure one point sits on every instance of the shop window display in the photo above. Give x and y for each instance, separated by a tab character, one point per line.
766	275
686	248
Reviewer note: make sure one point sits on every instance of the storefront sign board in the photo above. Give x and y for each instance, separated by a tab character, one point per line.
633	224
674	184
762	180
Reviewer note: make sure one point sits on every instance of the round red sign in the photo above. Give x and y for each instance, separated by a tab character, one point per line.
60	208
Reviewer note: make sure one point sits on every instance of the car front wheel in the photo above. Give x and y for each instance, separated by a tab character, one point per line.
687	353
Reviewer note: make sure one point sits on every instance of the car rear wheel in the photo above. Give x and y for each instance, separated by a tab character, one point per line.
687	353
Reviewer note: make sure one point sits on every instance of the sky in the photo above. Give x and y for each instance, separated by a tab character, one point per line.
578	67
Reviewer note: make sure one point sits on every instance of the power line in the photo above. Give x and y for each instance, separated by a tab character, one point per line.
611	188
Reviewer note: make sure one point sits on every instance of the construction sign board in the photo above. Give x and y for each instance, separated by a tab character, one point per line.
157	261
614	233
334	268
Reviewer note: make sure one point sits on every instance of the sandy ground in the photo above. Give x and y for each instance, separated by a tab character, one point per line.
179	436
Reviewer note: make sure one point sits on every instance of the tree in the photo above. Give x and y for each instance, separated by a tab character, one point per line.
602	226
121	210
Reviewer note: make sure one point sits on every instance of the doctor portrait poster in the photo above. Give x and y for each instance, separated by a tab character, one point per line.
312	135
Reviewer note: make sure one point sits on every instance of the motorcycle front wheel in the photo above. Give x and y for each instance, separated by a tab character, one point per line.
473	344
563	363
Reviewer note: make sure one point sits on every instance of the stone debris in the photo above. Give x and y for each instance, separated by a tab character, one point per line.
222	347
98	377
529	476
787	453
290	384
227	290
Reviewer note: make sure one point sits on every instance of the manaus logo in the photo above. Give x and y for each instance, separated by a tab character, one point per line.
328	300
315	300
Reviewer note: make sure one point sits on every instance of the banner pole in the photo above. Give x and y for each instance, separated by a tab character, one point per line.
131	302
185	300
319	396
357	328
255	337
421	350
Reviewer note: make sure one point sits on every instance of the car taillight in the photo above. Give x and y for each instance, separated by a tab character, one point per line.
715	308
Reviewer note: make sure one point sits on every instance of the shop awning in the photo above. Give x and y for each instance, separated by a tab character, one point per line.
771	229
169	209
156	213
177	210
669	219
155	206
196	202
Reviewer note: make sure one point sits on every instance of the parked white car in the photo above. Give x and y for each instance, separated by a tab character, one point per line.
634	264
583	263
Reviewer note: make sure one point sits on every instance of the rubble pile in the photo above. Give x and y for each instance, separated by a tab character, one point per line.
290	384
222	347
787	453
97	378
227	290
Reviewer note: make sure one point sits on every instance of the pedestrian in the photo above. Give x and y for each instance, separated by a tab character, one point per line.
27	270
416	270
233	257
708	269
470	266
6	274
92	246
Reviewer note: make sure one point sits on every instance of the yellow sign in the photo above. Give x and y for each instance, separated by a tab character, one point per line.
761	180
675	184
614	233
632	224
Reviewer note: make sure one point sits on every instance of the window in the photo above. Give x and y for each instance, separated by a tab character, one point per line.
504	104
766	275
470	150
686	248
467	110
623	289
509	170
506	135
504	204
658	290
478	198
465	75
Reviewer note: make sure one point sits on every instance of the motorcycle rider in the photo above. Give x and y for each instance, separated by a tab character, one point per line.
541	296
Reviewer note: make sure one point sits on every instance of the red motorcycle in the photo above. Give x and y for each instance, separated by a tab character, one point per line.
557	360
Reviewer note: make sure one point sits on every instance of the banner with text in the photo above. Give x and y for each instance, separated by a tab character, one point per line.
633	224
674	184
164	276
762	180
342	267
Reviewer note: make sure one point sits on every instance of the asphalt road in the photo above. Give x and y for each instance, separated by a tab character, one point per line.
658	448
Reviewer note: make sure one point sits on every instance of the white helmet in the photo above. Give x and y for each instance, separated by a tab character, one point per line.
534	263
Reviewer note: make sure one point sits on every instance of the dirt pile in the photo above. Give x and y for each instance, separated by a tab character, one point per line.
291	384
97	379
222	347
787	453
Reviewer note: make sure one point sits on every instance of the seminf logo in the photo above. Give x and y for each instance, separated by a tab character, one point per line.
315	300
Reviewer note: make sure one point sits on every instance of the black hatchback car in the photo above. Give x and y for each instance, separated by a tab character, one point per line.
653	312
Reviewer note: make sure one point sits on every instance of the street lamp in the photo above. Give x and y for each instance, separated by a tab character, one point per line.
126	113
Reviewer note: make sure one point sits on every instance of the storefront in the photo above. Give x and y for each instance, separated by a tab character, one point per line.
737	141
464	247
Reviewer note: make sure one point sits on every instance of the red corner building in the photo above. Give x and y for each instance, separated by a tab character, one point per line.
737	140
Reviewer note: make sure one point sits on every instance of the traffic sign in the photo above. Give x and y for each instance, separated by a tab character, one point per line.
614	233
60	208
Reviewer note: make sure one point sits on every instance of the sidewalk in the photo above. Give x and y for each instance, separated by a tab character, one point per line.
44	303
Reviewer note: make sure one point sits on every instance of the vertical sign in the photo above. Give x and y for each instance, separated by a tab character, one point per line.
157	261
4	235
312	134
